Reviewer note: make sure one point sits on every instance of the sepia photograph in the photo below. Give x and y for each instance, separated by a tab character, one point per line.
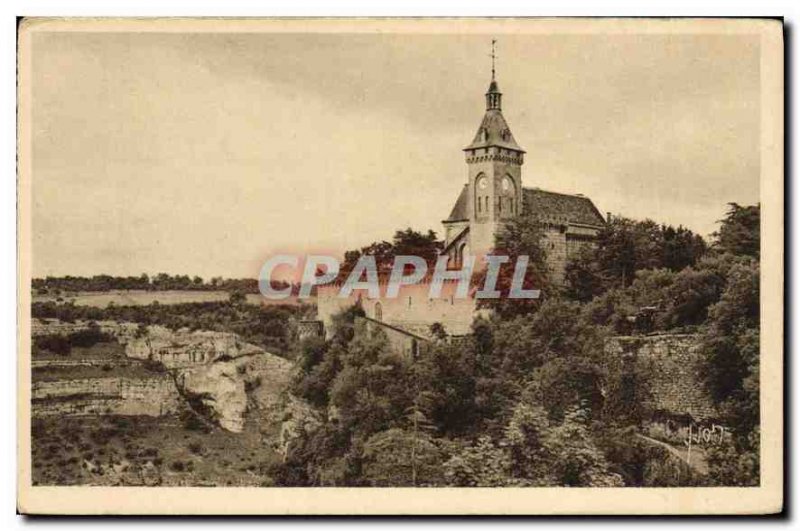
400	266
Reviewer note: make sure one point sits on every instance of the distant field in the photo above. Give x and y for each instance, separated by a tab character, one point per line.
101	299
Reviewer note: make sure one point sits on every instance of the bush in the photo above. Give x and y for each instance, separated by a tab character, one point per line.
55	343
196	448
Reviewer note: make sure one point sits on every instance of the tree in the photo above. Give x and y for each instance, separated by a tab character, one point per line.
483	464
526	342
680	248
413	243
237	298
739	231
444	379
616	251
731	371
321	361
399	458
404	242
576	459
734	323
520	236
371	391
526	439
689	297
582	276
624	247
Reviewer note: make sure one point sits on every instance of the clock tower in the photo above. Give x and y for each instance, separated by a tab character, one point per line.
494	177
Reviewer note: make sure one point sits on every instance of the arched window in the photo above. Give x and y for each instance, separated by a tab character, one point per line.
481	189
460	254
378	312
508	191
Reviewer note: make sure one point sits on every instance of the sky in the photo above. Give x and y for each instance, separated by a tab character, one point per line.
203	154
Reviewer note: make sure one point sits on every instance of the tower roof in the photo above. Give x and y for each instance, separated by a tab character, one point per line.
494	131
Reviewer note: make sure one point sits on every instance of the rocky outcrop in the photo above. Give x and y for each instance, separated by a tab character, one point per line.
299	418
121	331
182	348
216	374
222	391
172	348
153	396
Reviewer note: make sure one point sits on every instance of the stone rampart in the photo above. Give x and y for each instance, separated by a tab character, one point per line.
673	366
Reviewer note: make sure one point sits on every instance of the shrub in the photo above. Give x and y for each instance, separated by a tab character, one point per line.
196	448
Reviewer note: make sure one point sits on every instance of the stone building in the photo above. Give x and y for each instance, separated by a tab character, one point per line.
413	310
492	195
400	340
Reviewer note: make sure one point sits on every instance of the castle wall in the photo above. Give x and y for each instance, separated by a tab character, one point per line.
412	310
579	238
555	246
400	342
672	365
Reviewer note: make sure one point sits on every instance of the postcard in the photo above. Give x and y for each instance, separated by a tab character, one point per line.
400	266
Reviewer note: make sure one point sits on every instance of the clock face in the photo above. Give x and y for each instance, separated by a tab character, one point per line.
507	184
483	183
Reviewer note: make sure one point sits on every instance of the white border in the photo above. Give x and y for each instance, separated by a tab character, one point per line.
240	7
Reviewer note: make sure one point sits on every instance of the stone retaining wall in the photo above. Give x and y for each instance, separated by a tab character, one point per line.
673	366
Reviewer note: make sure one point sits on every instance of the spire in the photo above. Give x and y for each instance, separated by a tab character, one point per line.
494	130
493	96
494	41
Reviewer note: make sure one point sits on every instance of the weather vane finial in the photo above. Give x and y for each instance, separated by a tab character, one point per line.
493	57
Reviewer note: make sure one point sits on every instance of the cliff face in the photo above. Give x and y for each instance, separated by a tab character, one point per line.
186	349
106	396
224	390
298	418
172	348
215	374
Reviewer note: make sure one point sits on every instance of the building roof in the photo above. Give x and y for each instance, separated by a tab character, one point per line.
459	212
561	208
458	238
546	206
494	131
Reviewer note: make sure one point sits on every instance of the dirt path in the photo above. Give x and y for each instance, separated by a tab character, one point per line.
696	459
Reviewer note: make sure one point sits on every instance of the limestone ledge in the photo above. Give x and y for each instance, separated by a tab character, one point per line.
154	396
216	374
174	349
